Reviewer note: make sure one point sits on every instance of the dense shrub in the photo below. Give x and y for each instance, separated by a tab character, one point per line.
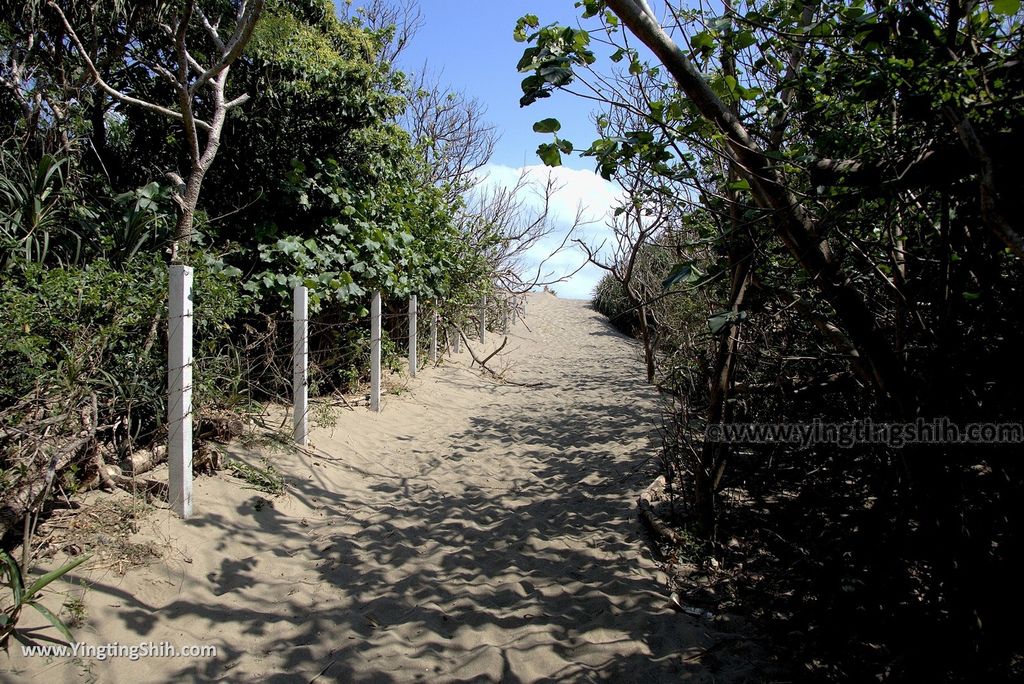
609	298
70	332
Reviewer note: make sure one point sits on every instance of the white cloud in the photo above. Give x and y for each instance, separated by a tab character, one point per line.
577	189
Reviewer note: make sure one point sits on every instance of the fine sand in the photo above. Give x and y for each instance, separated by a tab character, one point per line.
471	531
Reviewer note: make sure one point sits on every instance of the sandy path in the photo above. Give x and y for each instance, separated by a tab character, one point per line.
469	532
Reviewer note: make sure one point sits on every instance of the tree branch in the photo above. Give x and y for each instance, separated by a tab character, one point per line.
233	48
106	87
794	226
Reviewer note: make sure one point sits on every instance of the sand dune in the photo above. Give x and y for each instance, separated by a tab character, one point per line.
469	532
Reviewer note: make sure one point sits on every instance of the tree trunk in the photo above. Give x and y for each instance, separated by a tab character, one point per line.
791	222
186	213
714	455
648	340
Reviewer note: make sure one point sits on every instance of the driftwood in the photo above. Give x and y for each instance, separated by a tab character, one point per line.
144	460
476	359
483	363
46	437
645	509
28	493
205	460
151	489
219	428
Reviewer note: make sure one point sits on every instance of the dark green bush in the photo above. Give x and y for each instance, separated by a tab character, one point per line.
100	329
610	299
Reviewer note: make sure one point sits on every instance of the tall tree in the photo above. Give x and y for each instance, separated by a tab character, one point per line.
200	89
868	148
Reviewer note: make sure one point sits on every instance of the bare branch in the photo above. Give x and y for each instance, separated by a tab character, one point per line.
213	30
450	129
234	47
106	87
403	17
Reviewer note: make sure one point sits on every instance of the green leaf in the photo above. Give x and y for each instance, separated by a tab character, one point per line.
54	620
591	8
750	93
580	40
533	90
702	41
549	154
555	75
527	61
744	39
526	21
1005	7
54	574
741	184
547	126
720	321
685	272
13	576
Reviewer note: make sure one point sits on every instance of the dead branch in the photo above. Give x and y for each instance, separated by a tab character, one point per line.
476	359
650	519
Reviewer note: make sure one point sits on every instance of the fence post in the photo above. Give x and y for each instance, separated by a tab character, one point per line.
483	318
458	340
179	386
413	340
300	364
375	352
433	338
506	310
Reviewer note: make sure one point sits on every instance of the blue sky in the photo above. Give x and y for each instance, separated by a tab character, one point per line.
470	45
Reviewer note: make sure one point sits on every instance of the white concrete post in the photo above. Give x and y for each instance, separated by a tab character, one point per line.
179	386
413	341
483	319
433	338
300	364
375	352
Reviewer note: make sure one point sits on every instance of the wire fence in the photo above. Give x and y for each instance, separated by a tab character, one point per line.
331	354
134	378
